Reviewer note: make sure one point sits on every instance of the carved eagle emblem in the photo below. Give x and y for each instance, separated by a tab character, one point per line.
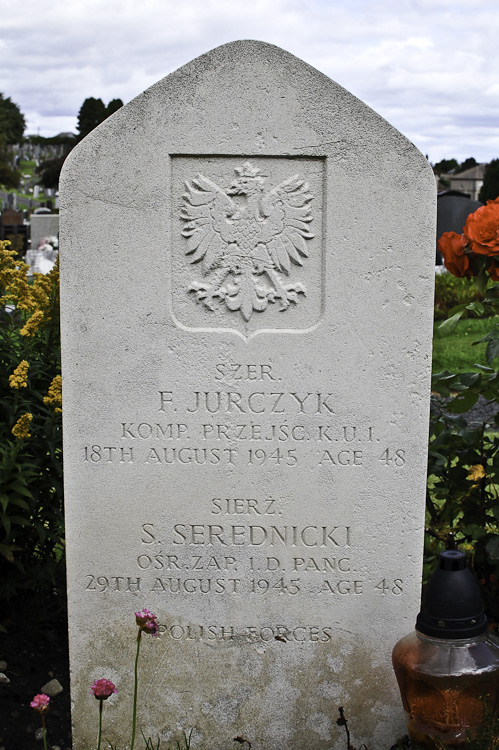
245	239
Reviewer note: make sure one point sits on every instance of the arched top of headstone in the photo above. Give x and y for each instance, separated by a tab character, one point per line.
253	95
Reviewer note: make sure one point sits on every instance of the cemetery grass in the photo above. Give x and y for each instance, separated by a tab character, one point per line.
454	351
27	168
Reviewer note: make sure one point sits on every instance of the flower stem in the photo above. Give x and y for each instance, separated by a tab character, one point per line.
135	689
44	733
100	724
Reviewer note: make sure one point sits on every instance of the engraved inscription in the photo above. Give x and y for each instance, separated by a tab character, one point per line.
249	419
246	238
250	634
204	559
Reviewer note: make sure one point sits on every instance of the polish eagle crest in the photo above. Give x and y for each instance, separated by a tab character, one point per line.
246	238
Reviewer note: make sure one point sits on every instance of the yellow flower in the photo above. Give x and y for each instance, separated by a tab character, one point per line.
21	427
476	472
13	279
32	324
19	378
466	547
54	396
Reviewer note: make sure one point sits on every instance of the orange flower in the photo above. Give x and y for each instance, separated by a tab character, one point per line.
482	229
452	246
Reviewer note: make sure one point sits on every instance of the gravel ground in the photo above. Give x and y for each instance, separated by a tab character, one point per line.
34	651
483	411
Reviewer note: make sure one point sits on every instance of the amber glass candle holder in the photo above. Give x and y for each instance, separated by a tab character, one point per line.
448	670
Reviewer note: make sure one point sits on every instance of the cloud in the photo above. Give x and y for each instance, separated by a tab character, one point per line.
427	66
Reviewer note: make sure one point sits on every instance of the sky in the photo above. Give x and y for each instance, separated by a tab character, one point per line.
429	67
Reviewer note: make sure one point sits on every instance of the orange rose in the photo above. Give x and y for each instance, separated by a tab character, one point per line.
493	271
482	229
452	246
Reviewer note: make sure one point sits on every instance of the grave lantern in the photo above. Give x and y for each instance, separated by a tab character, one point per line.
448	669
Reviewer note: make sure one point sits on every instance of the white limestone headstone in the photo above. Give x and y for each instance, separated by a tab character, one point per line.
247	266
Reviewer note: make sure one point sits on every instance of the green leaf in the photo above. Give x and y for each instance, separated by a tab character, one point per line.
449	325
456	309
19	502
492	350
6	551
19	521
21	489
476	307
481	280
460	404
444	375
5	522
470	378
475	532
489	336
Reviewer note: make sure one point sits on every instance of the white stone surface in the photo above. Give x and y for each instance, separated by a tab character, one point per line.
41	226
245	436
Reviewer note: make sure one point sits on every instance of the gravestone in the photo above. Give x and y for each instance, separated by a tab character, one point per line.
11	217
14	230
43	225
247	271
453	208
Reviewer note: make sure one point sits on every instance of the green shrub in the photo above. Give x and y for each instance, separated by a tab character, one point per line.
463	462
462	504
31	493
451	291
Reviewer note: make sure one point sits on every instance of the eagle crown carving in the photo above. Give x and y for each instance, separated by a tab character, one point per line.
245	239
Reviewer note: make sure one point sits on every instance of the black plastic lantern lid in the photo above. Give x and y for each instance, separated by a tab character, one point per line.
452	606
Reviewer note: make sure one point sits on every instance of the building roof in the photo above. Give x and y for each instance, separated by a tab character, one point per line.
473	173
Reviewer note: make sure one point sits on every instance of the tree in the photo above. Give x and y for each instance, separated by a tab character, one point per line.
50	171
490	188
467	164
12	122
93	112
113	107
10	177
445	166
12	126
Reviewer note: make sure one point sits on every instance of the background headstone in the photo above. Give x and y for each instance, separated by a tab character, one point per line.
13	229
11	217
453	208
247	277
43	226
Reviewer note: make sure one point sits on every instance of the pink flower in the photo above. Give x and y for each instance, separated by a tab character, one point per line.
40	703
103	688
147	621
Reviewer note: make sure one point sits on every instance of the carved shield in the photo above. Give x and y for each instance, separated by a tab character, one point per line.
247	234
